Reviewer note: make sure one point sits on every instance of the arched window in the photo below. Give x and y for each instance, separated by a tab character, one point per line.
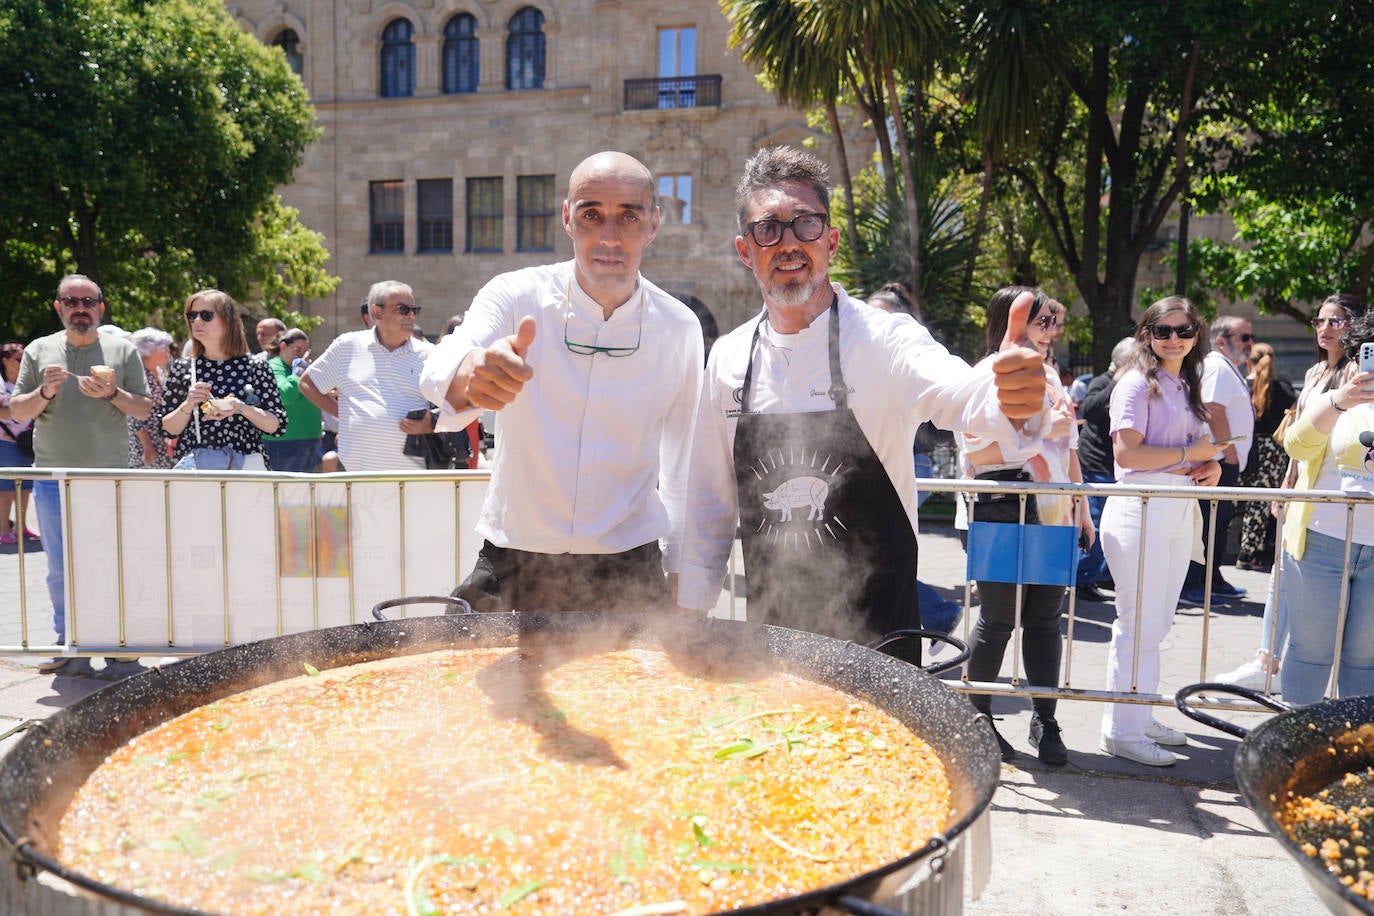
525	50
290	44
398	59
460	67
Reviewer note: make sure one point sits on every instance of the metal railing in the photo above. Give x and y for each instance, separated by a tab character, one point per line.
673	92
307	551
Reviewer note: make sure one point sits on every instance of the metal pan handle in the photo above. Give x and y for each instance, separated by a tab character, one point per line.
1197	715
860	907
455	605
940	668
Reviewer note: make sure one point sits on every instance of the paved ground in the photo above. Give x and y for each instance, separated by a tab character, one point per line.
1099	835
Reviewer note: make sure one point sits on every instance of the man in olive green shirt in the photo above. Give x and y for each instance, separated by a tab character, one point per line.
79	416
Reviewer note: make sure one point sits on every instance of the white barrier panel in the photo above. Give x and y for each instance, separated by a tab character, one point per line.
200	564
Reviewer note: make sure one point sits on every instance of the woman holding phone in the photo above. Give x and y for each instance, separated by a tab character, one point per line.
1332	368
1333	438
1159	436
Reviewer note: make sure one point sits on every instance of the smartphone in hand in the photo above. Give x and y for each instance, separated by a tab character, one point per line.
1367	356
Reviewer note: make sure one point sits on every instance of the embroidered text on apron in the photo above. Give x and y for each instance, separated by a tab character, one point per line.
828	547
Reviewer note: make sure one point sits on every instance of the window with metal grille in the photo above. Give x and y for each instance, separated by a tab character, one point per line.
535	213
398	59
387	207
434	213
486	210
525	50
460	62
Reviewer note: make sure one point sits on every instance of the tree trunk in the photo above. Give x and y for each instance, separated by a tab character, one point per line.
980	224
846	179
913	216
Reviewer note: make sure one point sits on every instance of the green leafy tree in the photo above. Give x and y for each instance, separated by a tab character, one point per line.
770	35
145	142
1301	184
877	52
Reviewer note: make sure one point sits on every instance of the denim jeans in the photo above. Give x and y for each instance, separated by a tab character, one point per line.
1092	565
1312	587
297	455
47	502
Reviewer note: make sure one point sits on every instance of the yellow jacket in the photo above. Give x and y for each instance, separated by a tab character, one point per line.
1307	446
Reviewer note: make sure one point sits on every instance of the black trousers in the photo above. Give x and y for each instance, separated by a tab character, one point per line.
505	579
1041	645
1230	477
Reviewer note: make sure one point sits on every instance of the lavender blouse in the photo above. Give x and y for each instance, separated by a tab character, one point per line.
1162	420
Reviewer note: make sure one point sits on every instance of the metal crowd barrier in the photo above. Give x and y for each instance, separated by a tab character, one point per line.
391	535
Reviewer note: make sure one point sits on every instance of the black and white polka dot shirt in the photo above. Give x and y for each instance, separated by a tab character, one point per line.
242	377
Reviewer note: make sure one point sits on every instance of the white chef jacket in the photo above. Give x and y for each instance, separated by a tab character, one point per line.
592	454
897	376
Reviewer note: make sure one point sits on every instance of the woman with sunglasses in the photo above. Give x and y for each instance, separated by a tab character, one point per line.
1333	439
219	400
1160	437
1332	368
1041	645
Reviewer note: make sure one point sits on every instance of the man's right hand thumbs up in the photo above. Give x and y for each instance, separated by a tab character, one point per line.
491	378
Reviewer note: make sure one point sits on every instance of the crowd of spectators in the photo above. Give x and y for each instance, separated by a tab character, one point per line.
1180	404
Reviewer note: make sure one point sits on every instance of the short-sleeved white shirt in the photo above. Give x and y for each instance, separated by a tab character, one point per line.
377	387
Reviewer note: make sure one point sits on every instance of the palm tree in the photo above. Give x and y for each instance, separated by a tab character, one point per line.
772	39
1011	47
881	39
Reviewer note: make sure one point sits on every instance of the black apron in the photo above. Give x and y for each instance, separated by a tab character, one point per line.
828	547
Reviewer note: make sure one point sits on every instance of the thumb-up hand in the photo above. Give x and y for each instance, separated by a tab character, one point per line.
491	378
1018	367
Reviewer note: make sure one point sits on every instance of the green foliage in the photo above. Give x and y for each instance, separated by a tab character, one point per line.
1285	256
945	250
145	142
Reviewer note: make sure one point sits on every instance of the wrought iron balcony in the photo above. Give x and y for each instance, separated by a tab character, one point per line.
673	92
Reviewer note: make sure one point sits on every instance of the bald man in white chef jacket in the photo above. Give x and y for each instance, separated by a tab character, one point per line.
596	374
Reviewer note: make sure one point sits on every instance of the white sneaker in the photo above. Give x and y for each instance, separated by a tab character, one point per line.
1250	674
1163	734
1146	752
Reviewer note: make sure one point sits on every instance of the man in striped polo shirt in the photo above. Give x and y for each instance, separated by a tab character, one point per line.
376	373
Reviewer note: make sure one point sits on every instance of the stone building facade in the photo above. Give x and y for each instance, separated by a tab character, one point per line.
449	128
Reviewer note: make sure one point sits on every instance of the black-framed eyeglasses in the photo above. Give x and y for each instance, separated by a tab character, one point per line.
1046	322
807	228
72	302
1335	323
403	309
205	315
1244	338
1165	331
584	349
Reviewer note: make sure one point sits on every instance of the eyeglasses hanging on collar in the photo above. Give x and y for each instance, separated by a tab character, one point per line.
585	349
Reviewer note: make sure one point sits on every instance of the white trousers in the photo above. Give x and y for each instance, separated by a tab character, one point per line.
1171	530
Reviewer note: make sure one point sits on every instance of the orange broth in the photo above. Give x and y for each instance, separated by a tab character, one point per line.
464	782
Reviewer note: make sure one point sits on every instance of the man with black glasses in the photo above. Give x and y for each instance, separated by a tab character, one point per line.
595	372
79	387
806	422
377	376
1231	417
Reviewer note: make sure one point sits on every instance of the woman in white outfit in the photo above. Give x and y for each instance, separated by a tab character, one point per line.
1159	436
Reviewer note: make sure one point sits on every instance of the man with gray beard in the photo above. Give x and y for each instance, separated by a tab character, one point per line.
806	420
79	387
